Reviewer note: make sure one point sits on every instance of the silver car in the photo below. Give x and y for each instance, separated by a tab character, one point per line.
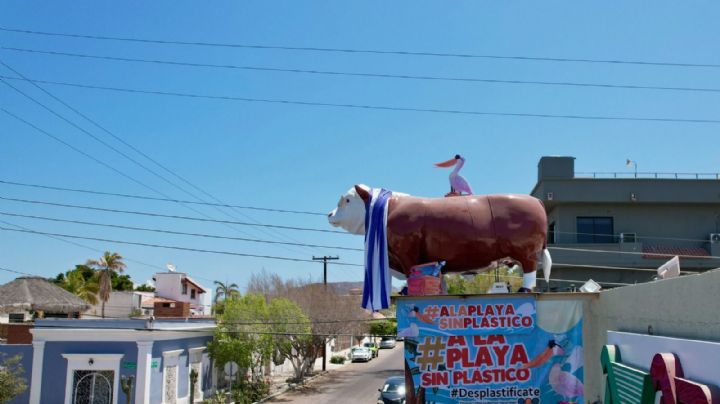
387	343
360	354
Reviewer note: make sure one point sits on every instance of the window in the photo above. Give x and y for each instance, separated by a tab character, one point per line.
16	318
551	233
184	292
595	229
91	387
192	293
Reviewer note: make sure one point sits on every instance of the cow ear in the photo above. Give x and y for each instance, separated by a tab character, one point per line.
363	193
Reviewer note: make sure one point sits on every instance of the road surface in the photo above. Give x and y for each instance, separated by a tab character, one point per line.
353	383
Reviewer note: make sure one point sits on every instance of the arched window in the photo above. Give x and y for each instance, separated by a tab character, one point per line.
93	387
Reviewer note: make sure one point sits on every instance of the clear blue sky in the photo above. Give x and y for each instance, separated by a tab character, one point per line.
303	157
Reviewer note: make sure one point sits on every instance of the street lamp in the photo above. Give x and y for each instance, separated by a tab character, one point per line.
629	163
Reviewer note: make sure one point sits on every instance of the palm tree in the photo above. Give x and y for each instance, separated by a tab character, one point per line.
109	262
86	289
225	291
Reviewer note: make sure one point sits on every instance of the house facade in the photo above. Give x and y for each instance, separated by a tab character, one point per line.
619	227
179	287
68	360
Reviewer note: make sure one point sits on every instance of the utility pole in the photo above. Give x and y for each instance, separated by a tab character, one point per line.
325	260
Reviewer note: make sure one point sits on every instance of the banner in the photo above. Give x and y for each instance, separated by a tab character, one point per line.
492	349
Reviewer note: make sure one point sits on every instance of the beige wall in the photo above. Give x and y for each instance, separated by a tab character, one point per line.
685	307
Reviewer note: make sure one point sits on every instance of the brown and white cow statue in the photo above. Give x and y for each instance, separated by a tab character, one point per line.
469	233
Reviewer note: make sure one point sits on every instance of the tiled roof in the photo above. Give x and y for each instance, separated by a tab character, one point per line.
667	252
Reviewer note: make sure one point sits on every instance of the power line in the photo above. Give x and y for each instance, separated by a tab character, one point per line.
361	74
87	247
145	197
198	219
372	107
176	247
110	146
151	198
363	51
15	272
164	231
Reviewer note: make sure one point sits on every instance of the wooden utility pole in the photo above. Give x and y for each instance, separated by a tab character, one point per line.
325	260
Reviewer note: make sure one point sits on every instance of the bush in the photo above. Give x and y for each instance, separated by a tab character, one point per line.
249	391
337	359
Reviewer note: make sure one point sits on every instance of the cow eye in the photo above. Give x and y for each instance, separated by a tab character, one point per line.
347	200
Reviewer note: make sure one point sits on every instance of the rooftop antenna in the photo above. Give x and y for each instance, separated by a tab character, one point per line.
170	267
631	163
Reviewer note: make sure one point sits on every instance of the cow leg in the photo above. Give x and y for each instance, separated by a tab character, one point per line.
529	265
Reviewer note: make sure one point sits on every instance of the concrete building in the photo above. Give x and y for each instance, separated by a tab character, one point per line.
70	361
626	222
179	287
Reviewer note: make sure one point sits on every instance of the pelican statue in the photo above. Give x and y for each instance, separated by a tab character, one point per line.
458	184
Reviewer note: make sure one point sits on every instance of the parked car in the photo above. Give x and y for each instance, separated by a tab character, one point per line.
387	343
392	391
399	338
360	354
373	348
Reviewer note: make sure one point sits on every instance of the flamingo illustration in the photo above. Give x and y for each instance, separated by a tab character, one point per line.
553	349
415	312
458	184
565	383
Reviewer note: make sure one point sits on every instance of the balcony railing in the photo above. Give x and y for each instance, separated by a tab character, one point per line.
649	175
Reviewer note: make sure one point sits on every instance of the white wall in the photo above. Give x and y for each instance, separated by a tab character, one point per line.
120	304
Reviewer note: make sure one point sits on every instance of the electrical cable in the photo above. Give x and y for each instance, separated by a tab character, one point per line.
115	149
364	74
178	247
361	51
191	218
375	107
164	231
151	198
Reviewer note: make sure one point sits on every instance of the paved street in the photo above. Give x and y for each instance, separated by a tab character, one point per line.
353	383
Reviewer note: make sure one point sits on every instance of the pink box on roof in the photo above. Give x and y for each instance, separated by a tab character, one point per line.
425	279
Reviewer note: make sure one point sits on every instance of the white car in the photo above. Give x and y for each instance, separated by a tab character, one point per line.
360	354
387	343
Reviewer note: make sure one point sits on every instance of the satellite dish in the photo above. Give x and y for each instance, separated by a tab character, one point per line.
170	267
670	269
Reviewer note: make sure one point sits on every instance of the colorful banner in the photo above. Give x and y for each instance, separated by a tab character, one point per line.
492	349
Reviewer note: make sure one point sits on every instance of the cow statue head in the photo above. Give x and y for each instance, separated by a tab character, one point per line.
350	211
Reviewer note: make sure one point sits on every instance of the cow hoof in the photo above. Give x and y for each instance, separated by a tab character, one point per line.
524	290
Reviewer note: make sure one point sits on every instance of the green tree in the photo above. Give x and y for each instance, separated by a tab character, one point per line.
145	288
481	283
86	289
12	382
106	265
224	292
291	330
243	334
383	328
121	282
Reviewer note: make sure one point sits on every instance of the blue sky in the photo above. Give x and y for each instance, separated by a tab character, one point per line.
303	157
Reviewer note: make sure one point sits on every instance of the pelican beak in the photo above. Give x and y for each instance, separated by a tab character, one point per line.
448	163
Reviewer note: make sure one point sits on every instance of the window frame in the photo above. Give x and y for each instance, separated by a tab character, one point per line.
595	237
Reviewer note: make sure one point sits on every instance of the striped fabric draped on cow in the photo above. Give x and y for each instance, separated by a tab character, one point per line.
376	291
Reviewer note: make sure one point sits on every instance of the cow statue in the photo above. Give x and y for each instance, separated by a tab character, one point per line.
468	232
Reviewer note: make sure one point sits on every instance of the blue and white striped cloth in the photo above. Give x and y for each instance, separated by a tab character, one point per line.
376	291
